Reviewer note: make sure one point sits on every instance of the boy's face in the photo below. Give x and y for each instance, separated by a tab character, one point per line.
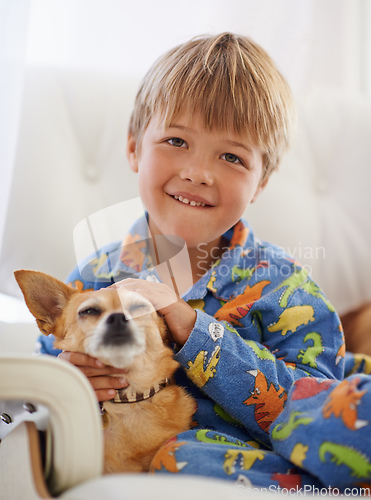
195	183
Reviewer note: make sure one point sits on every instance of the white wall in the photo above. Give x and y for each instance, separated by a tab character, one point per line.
312	41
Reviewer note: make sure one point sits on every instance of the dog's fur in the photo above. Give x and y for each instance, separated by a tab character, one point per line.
121	329
357	329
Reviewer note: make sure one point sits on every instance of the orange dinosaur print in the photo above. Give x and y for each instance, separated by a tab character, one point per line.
131	253
268	400
237	308
165	457
342	403
240	235
340	354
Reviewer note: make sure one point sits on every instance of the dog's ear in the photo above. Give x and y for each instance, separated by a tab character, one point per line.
45	297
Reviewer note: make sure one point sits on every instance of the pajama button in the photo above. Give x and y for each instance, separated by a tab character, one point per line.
216	331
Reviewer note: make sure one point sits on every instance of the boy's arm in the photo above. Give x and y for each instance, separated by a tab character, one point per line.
248	369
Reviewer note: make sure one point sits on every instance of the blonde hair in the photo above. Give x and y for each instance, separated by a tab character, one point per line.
231	81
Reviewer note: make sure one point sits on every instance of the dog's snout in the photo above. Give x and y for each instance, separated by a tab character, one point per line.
117	320
117	330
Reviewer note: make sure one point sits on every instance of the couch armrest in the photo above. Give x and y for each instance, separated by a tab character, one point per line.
75	421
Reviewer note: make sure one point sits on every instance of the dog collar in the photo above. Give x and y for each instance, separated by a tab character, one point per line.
127	396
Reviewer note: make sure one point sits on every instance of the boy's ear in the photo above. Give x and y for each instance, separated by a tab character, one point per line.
45	297
131	153
259	189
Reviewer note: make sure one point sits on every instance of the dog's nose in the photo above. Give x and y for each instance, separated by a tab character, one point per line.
118	331
117	320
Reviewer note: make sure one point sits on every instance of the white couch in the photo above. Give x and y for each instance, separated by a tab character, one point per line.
71	167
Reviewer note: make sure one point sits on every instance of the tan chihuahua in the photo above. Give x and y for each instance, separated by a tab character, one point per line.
121	329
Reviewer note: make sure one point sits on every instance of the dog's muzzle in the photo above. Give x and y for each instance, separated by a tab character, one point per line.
117	330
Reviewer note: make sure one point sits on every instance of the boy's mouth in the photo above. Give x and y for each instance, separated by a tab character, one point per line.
187	201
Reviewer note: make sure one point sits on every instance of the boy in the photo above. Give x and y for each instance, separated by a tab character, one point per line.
210	123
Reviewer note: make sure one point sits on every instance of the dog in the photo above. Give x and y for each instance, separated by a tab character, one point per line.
357	329
121	329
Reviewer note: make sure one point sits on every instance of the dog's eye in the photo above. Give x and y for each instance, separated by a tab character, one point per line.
90	311
139	309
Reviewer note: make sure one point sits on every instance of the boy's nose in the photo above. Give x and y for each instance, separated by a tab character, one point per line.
197	174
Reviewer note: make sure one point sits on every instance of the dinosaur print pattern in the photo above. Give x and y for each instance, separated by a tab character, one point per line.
357	462
165	458
203	368
297	279
207	436
132	252
343	403
246	459
324	430
283	431
292	318
299	454
236	309
308	356
267	400
240	235
308	387
314	290
260	352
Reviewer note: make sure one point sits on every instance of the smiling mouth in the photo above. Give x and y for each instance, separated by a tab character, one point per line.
192	203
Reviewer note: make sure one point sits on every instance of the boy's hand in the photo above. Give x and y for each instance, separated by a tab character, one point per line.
178	315
98	374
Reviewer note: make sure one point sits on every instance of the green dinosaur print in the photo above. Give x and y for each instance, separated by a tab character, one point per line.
230	328
346	455
292	282
225	416
202	435
242	273
311	288
308	356
263	353
284	430
257	320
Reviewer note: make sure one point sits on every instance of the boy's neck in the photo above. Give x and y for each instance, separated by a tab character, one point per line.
204	256
201	258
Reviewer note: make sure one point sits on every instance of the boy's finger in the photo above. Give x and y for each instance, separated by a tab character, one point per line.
91	367
106	383
105	394
105	387
91	371
80	359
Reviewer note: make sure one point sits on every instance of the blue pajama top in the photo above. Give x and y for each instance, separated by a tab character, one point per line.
263	331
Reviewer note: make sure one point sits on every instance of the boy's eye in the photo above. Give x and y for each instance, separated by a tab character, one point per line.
177	142
231	158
